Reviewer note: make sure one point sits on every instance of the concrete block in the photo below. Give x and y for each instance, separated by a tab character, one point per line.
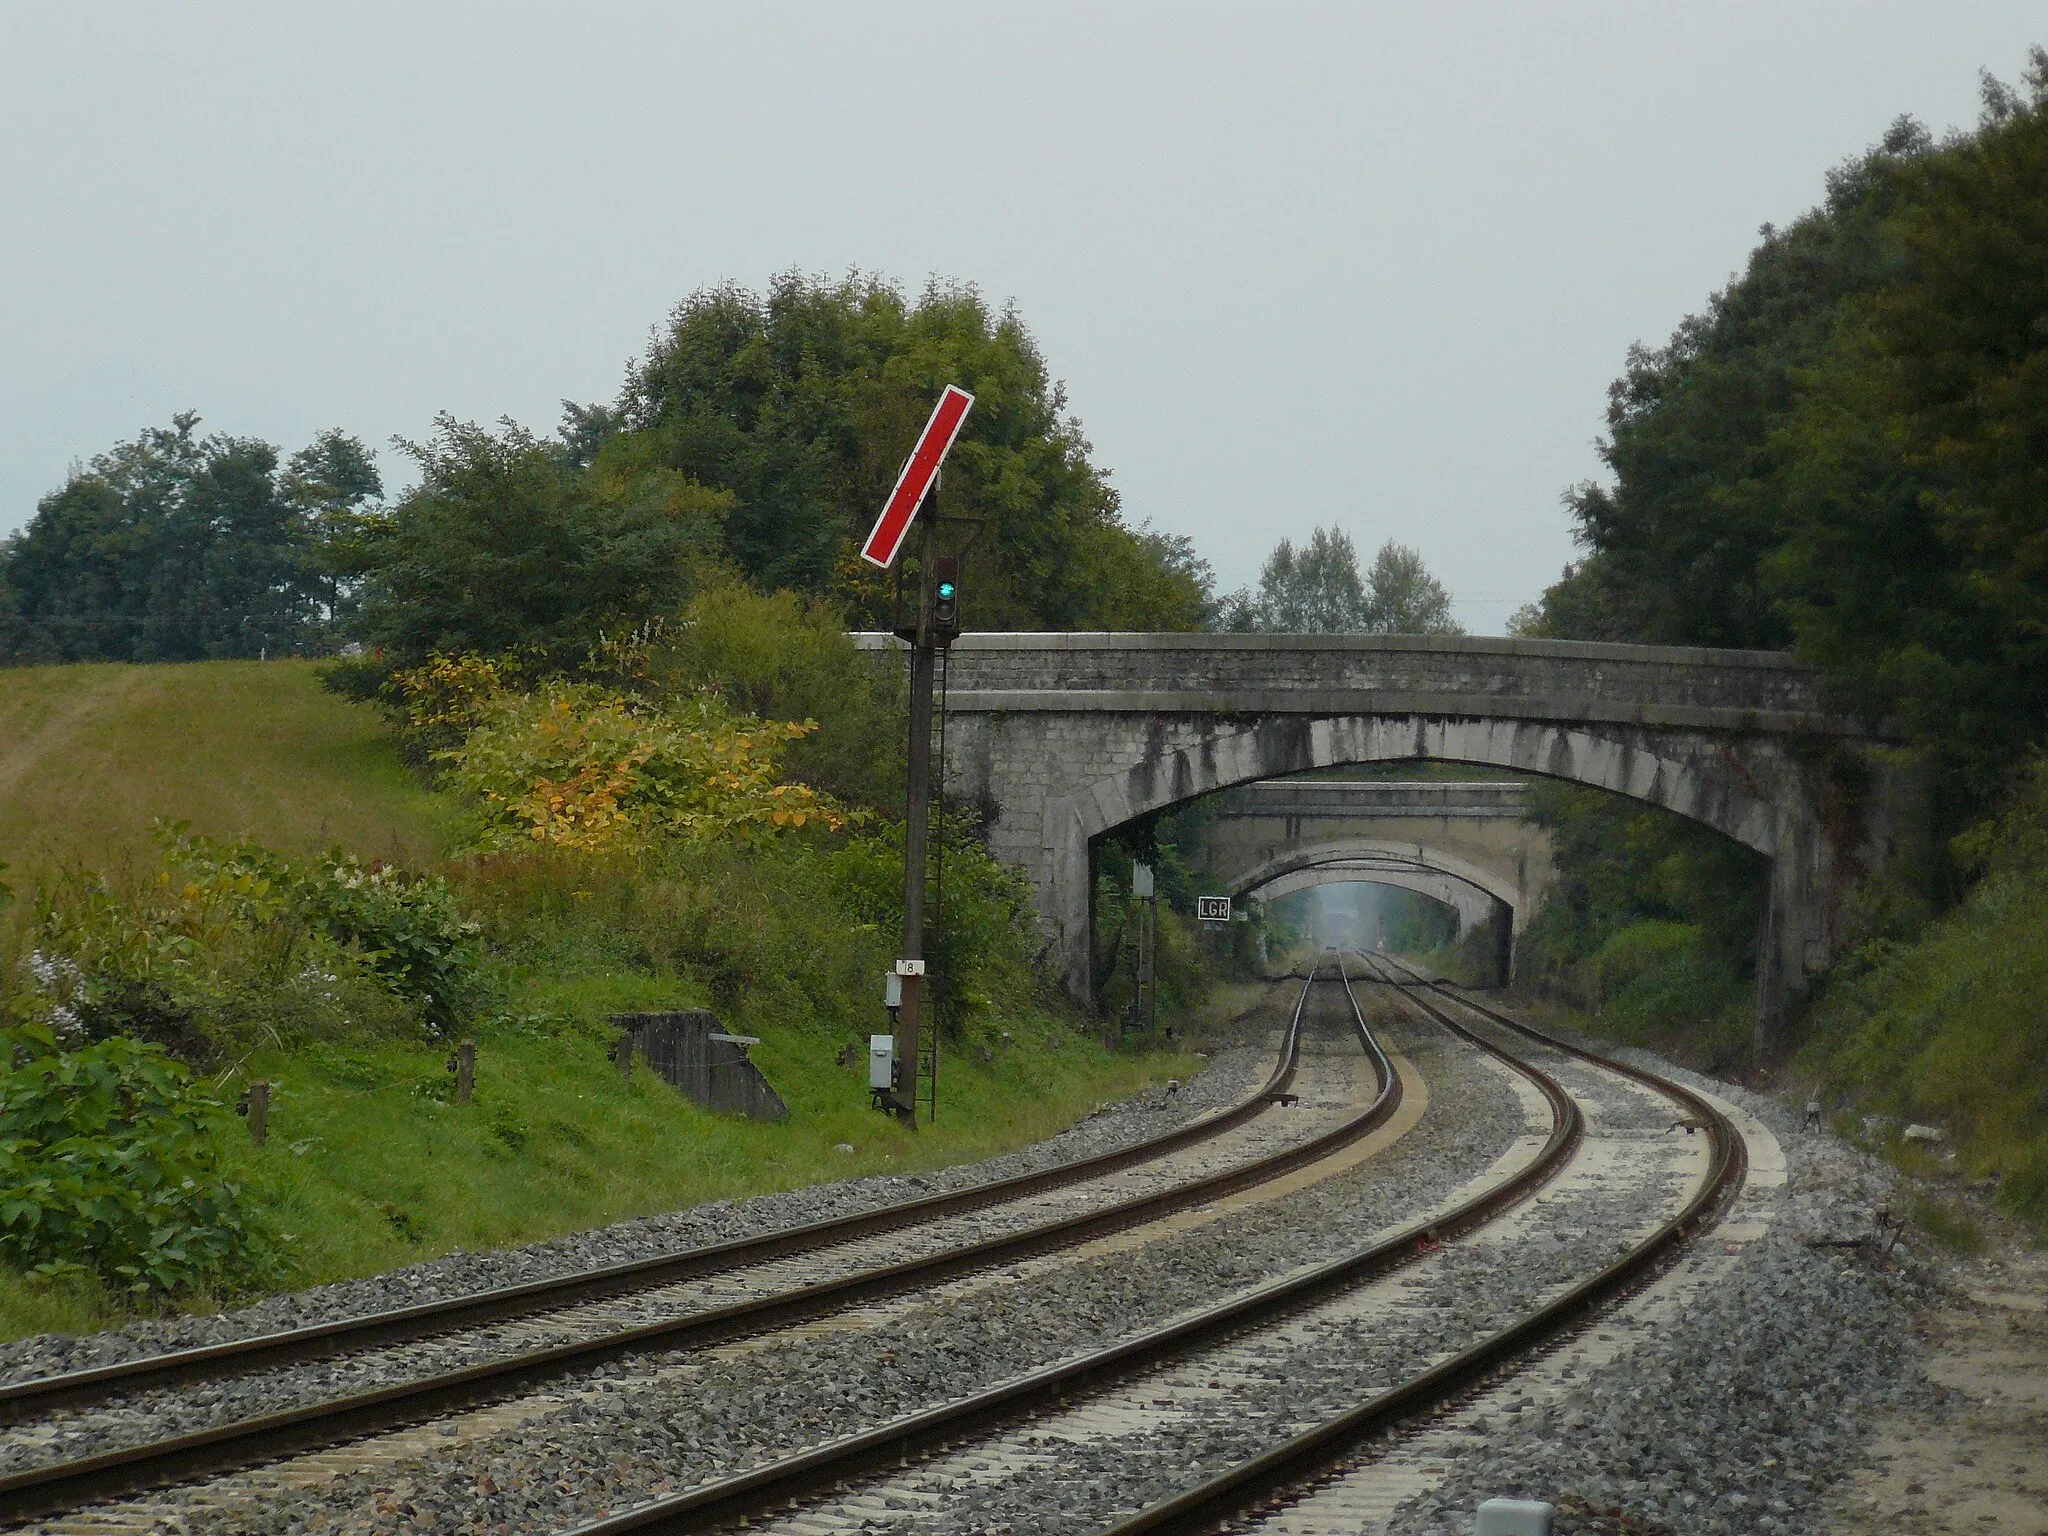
1513	1517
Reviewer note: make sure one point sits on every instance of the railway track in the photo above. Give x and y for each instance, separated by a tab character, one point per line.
1263	1493
685	1301
1048	1431
1047	1425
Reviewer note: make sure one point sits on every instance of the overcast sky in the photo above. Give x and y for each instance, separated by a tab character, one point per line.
1299	265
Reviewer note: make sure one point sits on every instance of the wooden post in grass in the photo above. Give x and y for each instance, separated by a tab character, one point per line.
259	1111
465	1072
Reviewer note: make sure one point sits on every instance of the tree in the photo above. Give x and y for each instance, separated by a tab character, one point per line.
803	403
1916	460
333	481
1317	589
506	545
1847	452
175	547
1402	598
1675	545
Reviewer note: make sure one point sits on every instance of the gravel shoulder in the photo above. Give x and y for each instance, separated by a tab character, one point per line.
1971	1452
1747	1409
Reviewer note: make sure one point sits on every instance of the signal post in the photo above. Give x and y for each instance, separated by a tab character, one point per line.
936	624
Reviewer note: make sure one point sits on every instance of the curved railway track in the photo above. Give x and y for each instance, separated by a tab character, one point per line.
782	1259
982	1430
1272	1480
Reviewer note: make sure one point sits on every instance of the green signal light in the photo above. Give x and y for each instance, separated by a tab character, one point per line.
945	591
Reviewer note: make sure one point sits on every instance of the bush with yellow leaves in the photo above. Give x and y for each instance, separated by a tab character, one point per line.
577	766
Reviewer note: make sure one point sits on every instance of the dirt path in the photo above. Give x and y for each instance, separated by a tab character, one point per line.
1978	1459
25	750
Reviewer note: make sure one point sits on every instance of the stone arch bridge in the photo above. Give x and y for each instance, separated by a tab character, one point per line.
1443	831
1059	739
1461	842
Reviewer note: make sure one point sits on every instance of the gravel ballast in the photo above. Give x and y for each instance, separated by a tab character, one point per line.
1081	1474
1739	1413
1328	1088
736	1409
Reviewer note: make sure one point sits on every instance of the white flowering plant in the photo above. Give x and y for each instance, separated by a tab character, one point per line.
408	928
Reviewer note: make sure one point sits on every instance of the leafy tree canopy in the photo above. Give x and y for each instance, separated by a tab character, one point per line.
508	545
1676	541
803	403
175	547
1317	589
1848	450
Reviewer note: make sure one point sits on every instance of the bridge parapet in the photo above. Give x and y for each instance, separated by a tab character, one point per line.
1226	674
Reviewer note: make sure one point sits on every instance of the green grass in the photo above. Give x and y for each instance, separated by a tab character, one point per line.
367	1168
90	753
373	1172
1948	1225
1952	1029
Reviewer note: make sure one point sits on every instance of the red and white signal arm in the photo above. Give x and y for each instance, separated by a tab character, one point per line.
885	540
1213	909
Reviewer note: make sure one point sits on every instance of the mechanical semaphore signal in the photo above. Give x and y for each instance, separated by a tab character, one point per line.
885	539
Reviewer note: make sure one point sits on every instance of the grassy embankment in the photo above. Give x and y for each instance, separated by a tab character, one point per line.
1951	1028
367	1166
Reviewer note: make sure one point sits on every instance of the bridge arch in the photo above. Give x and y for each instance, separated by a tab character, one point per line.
1418	858
1698	779
1471	905
1058	738
1712	792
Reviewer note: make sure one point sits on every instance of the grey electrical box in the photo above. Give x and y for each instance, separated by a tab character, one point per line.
1141	881
892	992
1513	1517
882	1061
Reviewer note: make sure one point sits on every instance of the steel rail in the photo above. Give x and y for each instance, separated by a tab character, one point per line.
25	1399
68	1485
742	1496
1287	1468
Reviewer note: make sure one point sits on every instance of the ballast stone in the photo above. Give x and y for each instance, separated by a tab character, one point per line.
1513	1517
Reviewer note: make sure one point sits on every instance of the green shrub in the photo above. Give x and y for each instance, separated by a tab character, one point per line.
782	657
171	964
100	965
407	928
1471	960
1949	1028
110	1165
979	911
1656	982
233	946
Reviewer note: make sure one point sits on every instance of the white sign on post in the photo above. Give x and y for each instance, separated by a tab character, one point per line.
1213	909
